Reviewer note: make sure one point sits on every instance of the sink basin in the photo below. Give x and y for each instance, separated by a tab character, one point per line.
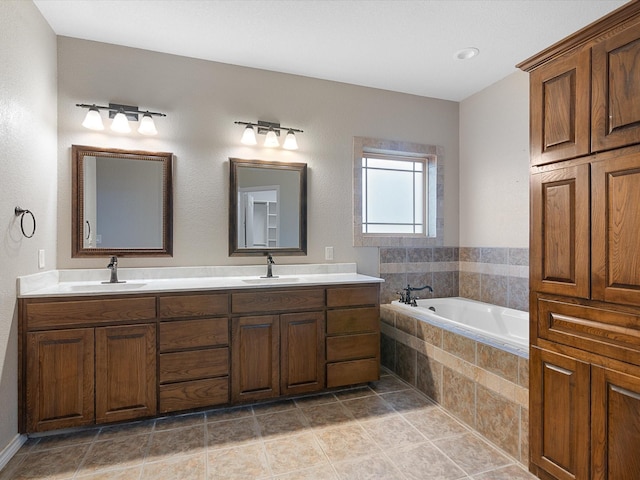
100	287
267	281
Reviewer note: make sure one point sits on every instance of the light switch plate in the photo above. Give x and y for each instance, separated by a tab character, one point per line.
328	253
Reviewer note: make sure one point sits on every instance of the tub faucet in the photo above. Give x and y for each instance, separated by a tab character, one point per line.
113	266
408	298
270	262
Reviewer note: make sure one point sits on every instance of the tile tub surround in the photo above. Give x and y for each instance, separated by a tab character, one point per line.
435	266
484	387
499	276
386	429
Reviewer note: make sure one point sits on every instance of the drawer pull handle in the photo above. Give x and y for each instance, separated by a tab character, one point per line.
624	391
558	369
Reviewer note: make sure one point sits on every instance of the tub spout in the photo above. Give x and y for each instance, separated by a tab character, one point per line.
410	299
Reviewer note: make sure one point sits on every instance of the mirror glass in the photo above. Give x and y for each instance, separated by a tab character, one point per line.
267	208
121	202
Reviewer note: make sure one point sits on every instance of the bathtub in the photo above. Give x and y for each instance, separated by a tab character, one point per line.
500	327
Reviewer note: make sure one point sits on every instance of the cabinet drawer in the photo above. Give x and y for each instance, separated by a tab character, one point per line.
348	347
193	305
353	320
350	373
41	315
181	366
194	394
183	334
266	301
610	333
352	296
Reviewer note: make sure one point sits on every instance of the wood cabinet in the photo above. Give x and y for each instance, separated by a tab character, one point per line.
98	359
353	335
302	343
560	411
584	91
95	374
588	417
256	359
585	253
125	372
615	425
560	201
60	369
193	351
281	353
560	108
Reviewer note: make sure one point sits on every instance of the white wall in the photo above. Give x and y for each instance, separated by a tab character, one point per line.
28	172
494	165
202	100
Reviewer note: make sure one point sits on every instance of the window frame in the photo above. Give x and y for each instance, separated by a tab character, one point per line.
424	161
433	156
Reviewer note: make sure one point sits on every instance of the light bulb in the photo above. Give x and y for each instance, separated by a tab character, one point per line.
272	139
147	126
249	136
120	123
93	120
290	142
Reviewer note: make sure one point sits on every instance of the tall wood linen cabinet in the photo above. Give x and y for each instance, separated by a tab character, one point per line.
585	252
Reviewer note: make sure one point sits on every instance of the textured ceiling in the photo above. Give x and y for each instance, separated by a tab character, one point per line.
404	46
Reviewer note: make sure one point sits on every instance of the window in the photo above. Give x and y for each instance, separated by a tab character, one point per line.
397	193
393	194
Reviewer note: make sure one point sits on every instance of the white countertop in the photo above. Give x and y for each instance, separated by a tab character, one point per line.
175	279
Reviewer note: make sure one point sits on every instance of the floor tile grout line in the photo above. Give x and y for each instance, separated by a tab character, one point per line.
333	397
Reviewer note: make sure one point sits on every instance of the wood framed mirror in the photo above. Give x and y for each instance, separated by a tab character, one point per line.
267	208
121	203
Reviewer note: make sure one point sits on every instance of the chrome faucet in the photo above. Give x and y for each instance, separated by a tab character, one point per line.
406	297
270	262
113	266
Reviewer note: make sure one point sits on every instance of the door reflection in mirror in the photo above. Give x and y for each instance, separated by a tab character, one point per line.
259	219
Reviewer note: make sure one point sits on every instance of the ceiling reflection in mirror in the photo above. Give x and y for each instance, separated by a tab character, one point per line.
267	208
122	202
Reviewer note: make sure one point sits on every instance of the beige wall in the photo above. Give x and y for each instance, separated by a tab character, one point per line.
28	172
494	165
202	99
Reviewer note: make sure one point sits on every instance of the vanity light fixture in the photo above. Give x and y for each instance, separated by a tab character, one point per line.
272	132
121	115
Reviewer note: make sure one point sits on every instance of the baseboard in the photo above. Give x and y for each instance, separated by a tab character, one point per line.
11	449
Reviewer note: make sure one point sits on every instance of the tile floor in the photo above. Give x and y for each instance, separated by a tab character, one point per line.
386	430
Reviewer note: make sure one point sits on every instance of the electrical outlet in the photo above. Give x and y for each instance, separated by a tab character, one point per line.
328	253
41	258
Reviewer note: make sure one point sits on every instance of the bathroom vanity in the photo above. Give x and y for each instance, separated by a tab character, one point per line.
93	353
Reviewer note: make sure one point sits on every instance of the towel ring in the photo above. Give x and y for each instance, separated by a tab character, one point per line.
21	212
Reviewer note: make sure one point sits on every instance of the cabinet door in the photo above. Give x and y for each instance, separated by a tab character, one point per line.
255	365
616	90
560	231
559	406
615	424
615	240
59	379
125	372
560	109
301	352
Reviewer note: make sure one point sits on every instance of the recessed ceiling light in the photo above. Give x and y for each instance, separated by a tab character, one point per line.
466	53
